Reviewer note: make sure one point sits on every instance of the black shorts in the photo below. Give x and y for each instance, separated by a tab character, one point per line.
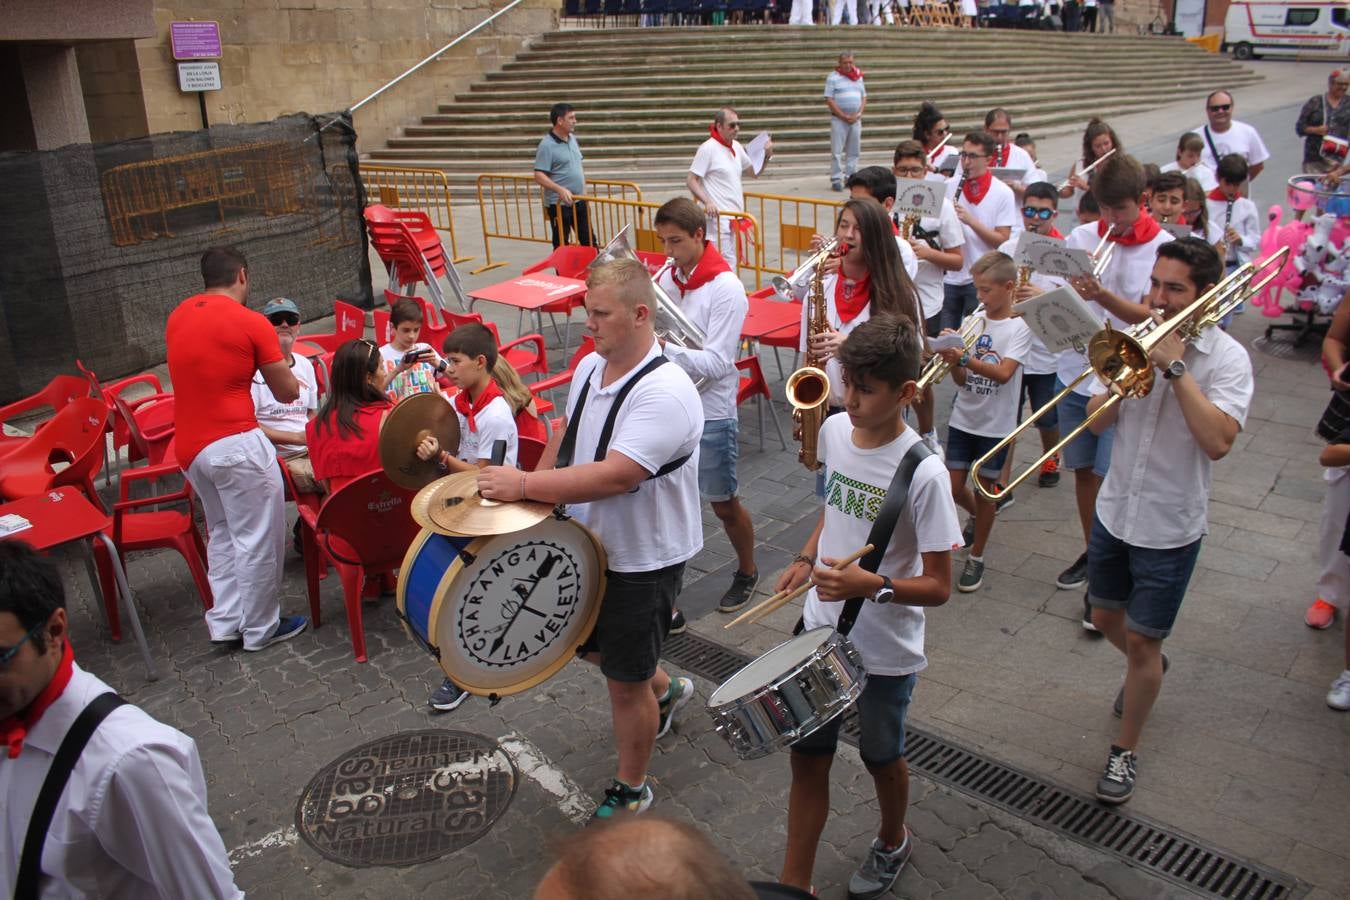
634	620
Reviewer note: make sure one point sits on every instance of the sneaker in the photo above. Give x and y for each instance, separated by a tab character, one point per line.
1117	783
1087	616
1005	500
836	185
879	871
1075	576
677	623
447	697
1339	695
620	798
968	534
741	590
972	576
287	628
680	692
1320	615
229	640
1049	473
1119	706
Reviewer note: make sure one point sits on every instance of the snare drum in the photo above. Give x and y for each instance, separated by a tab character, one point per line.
788	692
503	613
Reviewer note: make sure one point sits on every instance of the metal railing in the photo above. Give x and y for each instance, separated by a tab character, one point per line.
427	190
788	224
512	209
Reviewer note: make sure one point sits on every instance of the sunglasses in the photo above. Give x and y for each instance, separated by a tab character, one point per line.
1037	212
942	131
733	124
284	319
10	652
1221	107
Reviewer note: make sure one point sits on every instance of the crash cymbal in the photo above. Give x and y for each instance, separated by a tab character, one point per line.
415	418
452	505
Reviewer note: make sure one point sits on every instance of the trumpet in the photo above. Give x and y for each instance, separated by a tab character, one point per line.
938	368
1120	358
795	286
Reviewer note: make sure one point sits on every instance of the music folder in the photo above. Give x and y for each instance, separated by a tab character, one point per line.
1061	319
918	195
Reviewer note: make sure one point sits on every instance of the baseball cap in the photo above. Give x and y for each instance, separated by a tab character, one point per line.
280	305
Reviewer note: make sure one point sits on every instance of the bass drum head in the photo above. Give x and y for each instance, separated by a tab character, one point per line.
771	667
517	612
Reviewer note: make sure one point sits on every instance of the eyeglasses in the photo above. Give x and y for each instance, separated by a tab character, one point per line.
284	319
10	652
943	130
1221	107
964	155
733	124
908	171
1038	212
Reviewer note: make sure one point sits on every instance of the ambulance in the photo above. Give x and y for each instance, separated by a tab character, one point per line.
1302	30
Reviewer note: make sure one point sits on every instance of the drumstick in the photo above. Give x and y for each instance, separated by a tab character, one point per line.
782	598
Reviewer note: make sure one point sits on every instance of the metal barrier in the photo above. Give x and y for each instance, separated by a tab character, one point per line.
512	208
426	190
797	218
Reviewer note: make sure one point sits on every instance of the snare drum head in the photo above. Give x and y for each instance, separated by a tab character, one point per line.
770	667
516	613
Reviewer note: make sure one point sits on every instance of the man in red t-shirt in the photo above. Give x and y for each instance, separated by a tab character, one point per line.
215	344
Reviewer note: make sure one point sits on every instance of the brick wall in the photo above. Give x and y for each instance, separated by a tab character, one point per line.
112	90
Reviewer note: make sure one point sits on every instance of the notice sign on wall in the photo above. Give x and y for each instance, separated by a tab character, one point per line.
199	76
195	40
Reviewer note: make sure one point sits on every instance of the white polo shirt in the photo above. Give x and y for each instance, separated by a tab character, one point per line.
659	524
1157	490
1246	221
495	423
721	173
719	309
998	208
928	277
132	822
1200	172
1240	138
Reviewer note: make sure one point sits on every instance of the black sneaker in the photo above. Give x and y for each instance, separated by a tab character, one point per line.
1117	783
1088	624
968	534
1049	476
1005	500
677	623
1119	706
447	697
1075	576
741	590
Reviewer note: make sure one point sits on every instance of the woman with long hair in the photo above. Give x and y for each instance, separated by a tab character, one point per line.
1099	139
930	129
343	438
529	423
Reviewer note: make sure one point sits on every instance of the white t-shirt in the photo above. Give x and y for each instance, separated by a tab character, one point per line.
293	416
1039	361
660	523
928	277
1246	222
1240	138
983	406
719	308
721	173
908	259
1200	172
495	423
420	379
997	209
889	637
1156	492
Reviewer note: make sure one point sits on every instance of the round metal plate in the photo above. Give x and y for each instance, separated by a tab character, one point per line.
407	798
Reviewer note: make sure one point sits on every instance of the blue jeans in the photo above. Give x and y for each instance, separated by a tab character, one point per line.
717	452
881	715
1088	450
1148	584
958	301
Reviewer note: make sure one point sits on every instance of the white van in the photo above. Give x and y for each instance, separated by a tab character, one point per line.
1304	30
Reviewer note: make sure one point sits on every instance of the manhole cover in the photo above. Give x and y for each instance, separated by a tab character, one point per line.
407	798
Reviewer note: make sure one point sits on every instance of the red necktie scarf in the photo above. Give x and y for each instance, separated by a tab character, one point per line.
468	409
710	265
14	729
1144	229
853	74
974	189
851	300
1054	233
1218	194
717	136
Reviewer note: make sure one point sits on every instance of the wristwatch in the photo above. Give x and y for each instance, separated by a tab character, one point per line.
1175	369
885	593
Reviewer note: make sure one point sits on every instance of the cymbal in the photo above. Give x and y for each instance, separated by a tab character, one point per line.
417	417
452	505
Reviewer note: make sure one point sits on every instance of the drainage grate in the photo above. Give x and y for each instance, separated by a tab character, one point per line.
1142	843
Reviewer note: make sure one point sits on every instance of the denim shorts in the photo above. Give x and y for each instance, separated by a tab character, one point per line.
717	452
634	622
1148	584
963	448
881	715
1038	390
1088	450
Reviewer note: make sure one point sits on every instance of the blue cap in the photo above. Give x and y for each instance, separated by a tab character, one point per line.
280	305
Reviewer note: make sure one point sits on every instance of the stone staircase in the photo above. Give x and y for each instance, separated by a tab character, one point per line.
645	96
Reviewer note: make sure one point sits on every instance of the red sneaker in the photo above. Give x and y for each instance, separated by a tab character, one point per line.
1320	615
1049	473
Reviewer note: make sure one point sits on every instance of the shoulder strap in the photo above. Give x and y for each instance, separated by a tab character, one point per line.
30	861
567	449
1212	149
569	442
607	433
883	527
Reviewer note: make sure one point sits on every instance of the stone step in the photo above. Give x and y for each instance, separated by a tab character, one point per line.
854	37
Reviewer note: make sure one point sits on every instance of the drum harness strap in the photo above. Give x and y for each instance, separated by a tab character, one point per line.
569	441
882	529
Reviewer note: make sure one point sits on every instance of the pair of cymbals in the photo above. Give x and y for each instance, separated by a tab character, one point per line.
452	505
407	425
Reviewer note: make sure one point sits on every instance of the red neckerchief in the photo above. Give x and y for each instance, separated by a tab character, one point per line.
1145	229
849	303
853	74
14	729
1001	155
1218	194
1054	233
712	129
709	266
468	409
895	228
975	188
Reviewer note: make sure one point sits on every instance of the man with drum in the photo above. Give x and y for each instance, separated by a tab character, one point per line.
626	465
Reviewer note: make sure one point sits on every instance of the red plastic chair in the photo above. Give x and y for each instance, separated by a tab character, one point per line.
74	435
552	381
384	332
528	452
752	384
58	393
363	528
349	324
409	253
149	425
569	261
526	354
654	262
152	419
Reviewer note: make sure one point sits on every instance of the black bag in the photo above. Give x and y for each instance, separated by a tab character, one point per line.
1335	418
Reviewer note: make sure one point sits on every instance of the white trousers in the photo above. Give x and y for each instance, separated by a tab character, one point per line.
837	8
1333	582
878	8
801	13
724	239
845	145
239	485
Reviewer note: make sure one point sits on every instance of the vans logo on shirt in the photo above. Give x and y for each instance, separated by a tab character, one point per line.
854	498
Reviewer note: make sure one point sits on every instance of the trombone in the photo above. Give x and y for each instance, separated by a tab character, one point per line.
1121	358
1101	257
938	368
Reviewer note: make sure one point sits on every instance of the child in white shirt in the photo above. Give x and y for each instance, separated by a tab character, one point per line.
1189	150
405	325
1236	215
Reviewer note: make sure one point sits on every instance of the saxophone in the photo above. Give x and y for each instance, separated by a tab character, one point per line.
808	388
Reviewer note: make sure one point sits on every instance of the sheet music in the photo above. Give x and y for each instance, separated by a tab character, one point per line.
919	195
1003	174
1176	229
1051	256
1061	319
755	150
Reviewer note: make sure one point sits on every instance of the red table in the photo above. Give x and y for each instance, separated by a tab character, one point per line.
530	293
766	317
65	516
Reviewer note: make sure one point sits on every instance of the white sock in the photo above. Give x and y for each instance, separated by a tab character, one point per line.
974	558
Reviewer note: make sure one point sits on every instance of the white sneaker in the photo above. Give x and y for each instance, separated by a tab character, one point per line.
1339	695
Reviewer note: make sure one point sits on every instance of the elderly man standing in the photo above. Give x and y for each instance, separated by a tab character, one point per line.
715	178
557	169
1224	135
846	97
